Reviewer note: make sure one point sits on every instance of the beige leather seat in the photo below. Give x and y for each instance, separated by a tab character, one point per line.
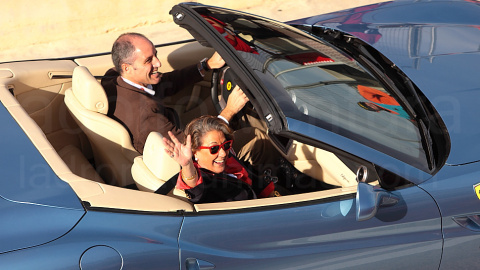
111	144
155	167
78	164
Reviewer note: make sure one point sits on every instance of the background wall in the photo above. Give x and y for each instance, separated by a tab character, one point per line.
52	28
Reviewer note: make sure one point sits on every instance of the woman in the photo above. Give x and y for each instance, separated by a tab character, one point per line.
210	171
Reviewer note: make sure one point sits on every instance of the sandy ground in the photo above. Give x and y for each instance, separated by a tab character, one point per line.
73	28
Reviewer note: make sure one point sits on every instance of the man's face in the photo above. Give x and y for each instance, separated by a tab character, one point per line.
144	69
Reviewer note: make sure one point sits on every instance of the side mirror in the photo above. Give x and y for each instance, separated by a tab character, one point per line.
370	199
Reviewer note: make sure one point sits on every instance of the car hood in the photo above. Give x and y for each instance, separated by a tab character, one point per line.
436	47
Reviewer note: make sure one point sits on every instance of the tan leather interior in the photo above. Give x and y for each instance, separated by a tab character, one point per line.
305	197
78	163
107	196
320	164
155	167
111	143
95	193
38	106
41	97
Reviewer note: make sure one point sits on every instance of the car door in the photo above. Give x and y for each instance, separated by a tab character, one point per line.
315	234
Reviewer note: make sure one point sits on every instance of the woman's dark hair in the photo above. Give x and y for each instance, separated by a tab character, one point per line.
200	126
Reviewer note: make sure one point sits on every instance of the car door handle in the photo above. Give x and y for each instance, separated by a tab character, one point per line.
196	264
471	222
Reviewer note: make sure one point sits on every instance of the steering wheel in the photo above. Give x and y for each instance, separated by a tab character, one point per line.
223	82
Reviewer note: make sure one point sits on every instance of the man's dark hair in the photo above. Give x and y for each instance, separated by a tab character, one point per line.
123	49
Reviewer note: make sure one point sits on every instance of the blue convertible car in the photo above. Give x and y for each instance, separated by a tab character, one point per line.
374	112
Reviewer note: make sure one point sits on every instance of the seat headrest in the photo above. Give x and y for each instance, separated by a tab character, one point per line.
88	91
155	158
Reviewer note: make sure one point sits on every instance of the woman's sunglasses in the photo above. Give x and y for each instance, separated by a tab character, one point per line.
215	148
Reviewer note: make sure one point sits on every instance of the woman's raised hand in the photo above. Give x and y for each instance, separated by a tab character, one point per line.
181	153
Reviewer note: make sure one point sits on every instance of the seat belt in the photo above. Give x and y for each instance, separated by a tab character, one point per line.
167	186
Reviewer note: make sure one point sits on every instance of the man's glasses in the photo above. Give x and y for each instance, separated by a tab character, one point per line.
215	148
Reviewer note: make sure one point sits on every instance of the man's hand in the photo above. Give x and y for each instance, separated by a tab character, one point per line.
236	101
216	61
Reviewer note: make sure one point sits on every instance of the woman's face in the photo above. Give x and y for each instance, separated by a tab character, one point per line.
212	162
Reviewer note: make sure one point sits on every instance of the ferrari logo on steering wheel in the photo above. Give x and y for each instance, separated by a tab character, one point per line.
229	85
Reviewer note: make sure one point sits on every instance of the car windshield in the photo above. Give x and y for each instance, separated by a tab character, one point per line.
316	83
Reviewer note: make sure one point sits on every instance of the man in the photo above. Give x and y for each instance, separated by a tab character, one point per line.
135	88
